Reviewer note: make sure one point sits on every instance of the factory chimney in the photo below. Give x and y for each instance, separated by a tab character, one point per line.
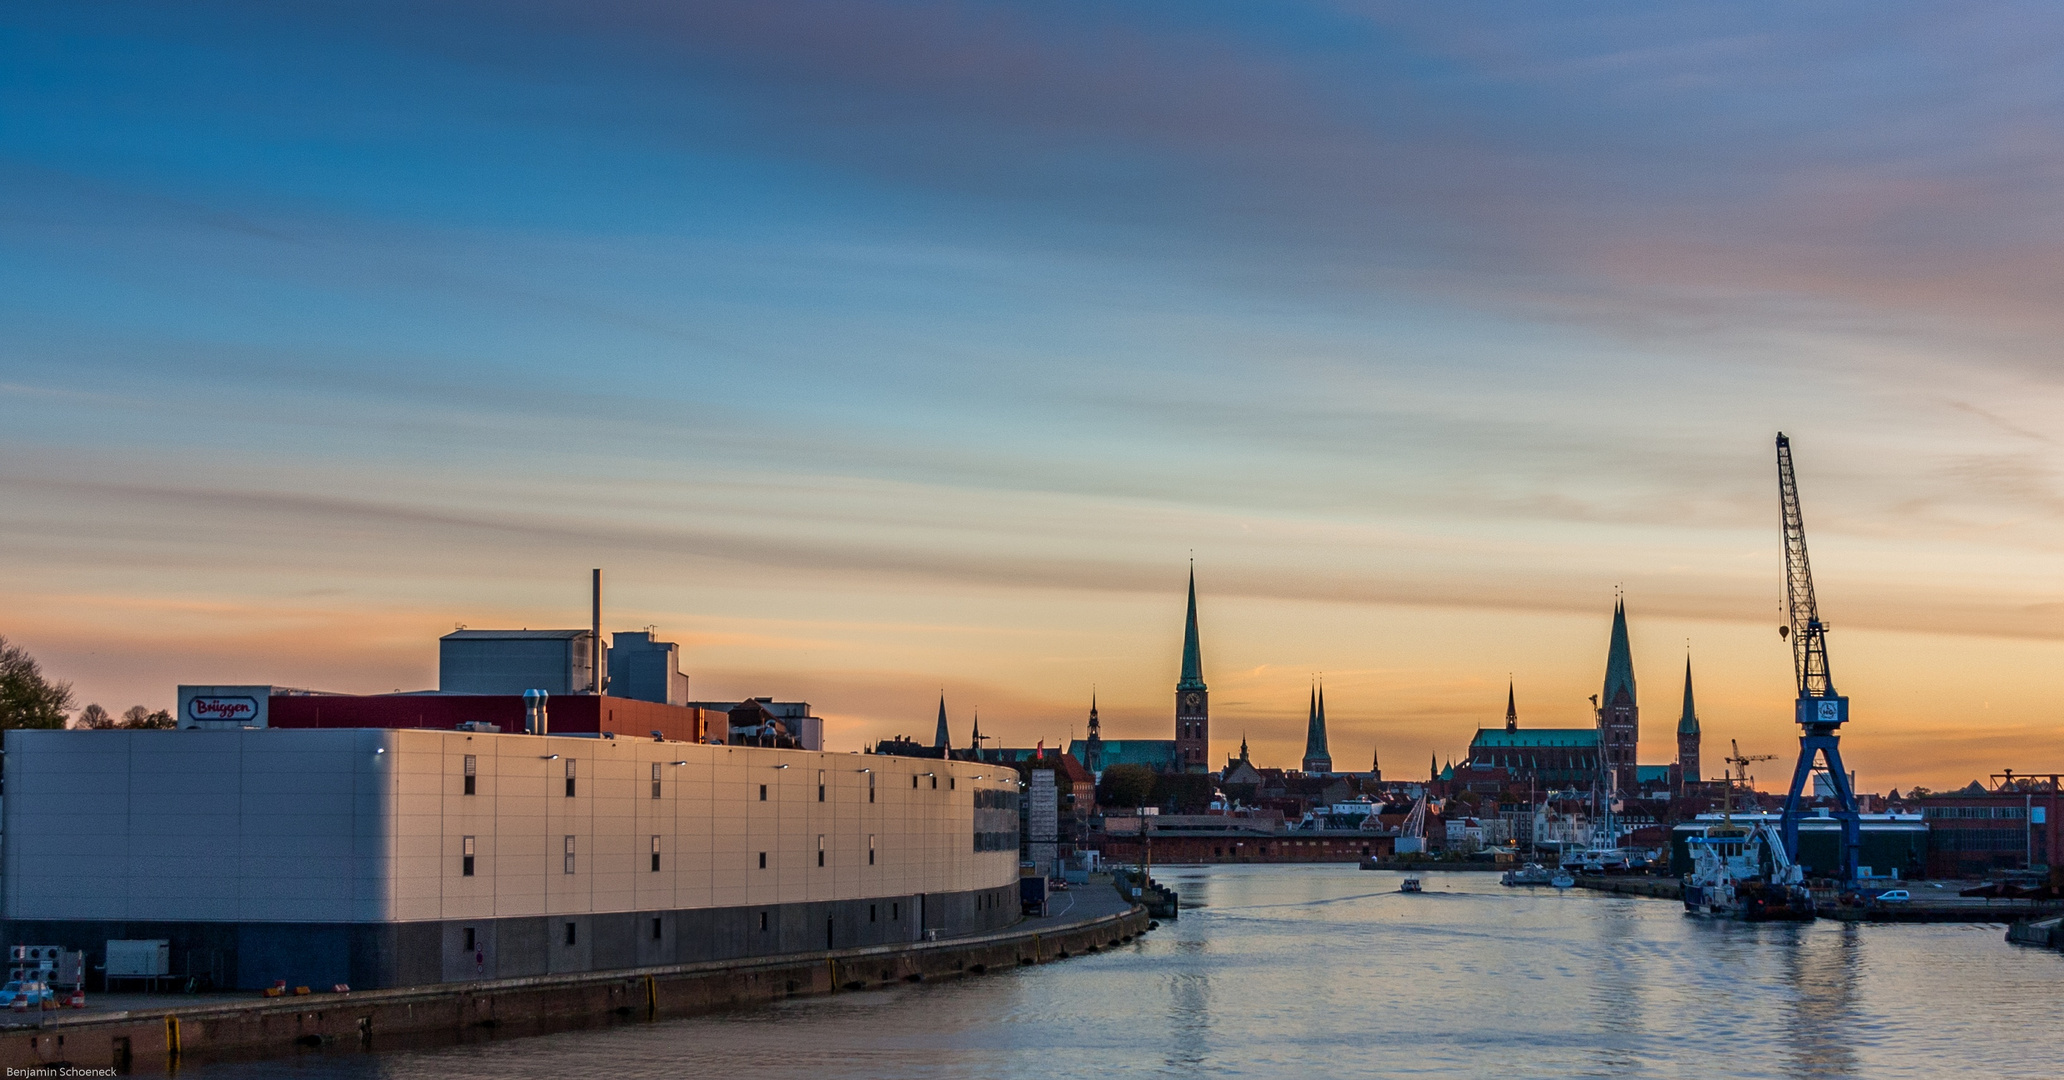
598	654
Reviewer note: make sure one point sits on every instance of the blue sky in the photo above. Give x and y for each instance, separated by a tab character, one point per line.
883	347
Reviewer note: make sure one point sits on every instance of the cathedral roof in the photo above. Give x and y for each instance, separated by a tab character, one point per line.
1192	654
1156	754
1619	660
1532	738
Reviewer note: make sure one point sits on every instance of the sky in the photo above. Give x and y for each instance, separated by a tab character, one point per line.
880	350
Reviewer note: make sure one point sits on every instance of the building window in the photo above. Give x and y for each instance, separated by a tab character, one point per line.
465	856
820	785
763	922
870	918
952	783
569	783
895	912
472	942
655	854
870	849
656	935
763	860
820	849
913	783
569	934
655	779
569	854
763	793
870	787
472	772
935	783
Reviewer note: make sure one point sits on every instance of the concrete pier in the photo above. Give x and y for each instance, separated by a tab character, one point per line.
156	1039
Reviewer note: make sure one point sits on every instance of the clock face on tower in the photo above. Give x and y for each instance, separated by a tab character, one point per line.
1191	699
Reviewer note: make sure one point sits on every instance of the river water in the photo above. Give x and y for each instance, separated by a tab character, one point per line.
1324	971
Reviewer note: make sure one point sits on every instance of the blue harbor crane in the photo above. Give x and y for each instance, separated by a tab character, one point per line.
1820	711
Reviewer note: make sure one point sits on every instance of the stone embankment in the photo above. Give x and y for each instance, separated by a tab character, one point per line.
158	1039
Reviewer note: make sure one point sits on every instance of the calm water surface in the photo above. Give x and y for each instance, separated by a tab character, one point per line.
1329	971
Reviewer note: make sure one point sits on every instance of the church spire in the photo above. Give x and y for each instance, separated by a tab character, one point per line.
1511	708
975	740
1243	748
1192	654
1317	759
942	740
1688	723
1619	660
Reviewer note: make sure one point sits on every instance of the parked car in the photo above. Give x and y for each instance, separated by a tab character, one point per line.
1893	896
28	994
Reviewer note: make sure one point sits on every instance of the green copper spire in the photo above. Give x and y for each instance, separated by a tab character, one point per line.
1316	757
1192	655
1619	661
1688	723
942	740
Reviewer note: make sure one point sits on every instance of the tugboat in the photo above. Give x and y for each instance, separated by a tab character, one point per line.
1729	879
1410	884
1563	880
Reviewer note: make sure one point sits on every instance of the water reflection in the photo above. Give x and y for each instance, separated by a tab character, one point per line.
1300	971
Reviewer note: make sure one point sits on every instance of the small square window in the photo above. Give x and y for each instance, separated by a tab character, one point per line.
465	856
763	860
472	772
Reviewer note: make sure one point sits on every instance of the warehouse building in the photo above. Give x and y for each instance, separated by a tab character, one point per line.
393	856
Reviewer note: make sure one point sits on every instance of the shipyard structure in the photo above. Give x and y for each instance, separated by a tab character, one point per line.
492	829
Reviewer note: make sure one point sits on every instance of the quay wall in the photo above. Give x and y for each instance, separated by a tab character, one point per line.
158	1040
1245	847
396	857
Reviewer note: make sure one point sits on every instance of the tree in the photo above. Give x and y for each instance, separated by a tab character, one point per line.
1183	793
1126	785
95	717
27	699
136	716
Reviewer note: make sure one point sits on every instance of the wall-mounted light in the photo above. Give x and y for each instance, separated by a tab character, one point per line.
679	763
381	750
867	770
783	765
549	757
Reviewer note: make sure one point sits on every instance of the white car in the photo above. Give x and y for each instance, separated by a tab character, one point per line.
1893	896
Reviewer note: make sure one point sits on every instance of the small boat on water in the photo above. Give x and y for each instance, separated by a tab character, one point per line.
1410	884
1532	873
1563	880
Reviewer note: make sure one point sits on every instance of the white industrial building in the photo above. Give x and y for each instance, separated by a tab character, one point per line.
397	857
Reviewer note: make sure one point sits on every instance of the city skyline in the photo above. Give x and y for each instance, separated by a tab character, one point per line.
884	348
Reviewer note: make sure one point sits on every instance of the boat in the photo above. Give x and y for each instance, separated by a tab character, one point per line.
1410	884
1532	873
1740	870
1563	880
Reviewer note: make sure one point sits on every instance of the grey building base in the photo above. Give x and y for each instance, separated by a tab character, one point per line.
254	955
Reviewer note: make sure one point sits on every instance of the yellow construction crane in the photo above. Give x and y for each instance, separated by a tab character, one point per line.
1740	775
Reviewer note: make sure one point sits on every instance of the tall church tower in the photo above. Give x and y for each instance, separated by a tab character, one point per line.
1093	747
1688	736
1619	719
1317	759
1192	698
